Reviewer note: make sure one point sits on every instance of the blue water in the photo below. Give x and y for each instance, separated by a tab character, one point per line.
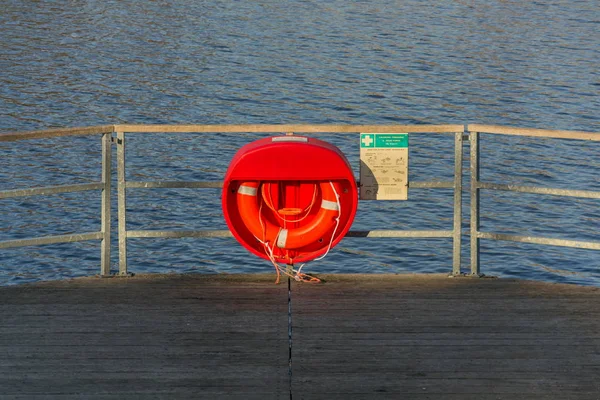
81	63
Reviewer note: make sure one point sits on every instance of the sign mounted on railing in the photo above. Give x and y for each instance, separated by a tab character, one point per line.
384	166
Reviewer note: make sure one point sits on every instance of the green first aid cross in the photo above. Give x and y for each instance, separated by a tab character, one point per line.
367	140
384	140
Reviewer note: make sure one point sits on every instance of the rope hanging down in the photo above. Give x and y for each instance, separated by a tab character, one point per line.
297	275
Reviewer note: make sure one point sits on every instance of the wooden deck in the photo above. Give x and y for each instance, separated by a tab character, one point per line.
355	336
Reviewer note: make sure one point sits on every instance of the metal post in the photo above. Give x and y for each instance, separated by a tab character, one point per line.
457	230
121	203
474	142
105	206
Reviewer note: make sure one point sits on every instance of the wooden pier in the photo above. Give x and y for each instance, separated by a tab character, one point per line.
354	336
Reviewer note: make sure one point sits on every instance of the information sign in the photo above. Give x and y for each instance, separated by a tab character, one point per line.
384	166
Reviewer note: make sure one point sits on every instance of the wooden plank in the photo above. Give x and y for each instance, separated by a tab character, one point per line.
441	337
89	130
354	336
284	128
547	133
168	337
300	128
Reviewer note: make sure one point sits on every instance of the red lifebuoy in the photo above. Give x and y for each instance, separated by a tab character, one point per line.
289	199
287	238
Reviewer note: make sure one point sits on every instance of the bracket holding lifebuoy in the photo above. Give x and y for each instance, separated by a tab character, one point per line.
289	198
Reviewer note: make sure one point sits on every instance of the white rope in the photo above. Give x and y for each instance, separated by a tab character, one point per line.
337	224
270	250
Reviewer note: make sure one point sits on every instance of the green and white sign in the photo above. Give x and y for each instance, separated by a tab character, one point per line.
384	166
384	140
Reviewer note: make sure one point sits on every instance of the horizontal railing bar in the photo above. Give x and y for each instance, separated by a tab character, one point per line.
538	240
43	191
431	185
213	184
304	128
171	185
226	233
177	234
74	237
541	190
400	234
557	134
300	128
91	130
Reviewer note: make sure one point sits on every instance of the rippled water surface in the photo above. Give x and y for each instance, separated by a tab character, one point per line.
80	63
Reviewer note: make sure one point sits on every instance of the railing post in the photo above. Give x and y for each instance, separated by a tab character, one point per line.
457	230
474	143
121	188
105	205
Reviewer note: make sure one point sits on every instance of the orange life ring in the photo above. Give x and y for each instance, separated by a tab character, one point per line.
262	229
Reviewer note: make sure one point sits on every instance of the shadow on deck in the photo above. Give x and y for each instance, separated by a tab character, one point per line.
355	336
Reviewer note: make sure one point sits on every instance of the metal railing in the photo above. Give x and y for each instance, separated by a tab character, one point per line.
123	184
104	186
455	233
477	185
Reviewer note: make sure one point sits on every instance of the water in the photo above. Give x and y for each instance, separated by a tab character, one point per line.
81	63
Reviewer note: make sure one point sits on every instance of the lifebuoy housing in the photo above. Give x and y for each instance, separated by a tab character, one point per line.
289	198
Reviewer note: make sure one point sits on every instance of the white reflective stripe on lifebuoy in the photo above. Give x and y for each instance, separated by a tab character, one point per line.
330	205
247	190
282	238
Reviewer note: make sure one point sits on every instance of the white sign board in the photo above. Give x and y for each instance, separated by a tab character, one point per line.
384	166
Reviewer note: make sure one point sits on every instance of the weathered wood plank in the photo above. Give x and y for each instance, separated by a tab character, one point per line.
297	128
167	337
410	336
559	134
90	130
424	338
